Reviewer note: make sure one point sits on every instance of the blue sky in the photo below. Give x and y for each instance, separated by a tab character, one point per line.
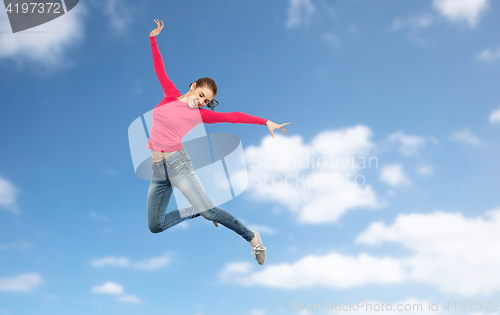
413	84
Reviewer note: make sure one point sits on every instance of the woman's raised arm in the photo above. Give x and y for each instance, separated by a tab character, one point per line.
168	87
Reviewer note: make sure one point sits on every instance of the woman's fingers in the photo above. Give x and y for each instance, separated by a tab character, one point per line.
276	126
281	127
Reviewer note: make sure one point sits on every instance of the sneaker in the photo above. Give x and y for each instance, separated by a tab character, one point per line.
215	223
259	251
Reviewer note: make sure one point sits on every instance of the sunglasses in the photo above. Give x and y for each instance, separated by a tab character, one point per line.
212	104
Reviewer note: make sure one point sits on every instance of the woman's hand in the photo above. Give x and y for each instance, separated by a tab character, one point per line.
273	126
157	30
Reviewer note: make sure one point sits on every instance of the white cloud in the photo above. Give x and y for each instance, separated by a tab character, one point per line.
331	38
299	12
262	229
465	136
20	245
495	116
110	261
185	225
333	270
108	288
415	22
425	170
115	289
45	45
468	11
118	14
258	312
317	182
409	144
394	175
8	194
235	268
153	263
453	252
129	299
488	54
457	254
96	216
22	283
123	262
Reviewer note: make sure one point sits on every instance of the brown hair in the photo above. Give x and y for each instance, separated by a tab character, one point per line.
201	82
210	83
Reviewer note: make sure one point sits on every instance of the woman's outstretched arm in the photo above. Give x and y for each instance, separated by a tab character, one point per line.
168	87
211	117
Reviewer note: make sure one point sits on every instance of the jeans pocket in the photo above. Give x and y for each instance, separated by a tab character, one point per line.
174	160
177	163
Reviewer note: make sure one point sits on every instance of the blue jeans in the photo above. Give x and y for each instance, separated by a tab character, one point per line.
176	170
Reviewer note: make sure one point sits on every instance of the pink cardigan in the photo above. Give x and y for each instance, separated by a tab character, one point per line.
173	119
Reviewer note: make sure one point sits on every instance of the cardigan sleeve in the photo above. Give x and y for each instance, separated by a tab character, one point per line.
169	89
211	117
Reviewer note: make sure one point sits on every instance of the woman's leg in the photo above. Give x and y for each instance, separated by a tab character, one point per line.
225	218
159	196
182	175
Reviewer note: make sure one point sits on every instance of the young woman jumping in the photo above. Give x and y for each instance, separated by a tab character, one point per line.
173	118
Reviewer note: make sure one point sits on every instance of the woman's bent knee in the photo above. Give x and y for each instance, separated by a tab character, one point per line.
208	214
154	228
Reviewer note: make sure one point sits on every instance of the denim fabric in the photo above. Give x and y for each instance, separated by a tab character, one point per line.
176	170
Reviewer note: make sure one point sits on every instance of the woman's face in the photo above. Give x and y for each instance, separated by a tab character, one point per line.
199	96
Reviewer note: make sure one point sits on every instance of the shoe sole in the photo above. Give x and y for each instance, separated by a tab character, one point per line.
260	241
